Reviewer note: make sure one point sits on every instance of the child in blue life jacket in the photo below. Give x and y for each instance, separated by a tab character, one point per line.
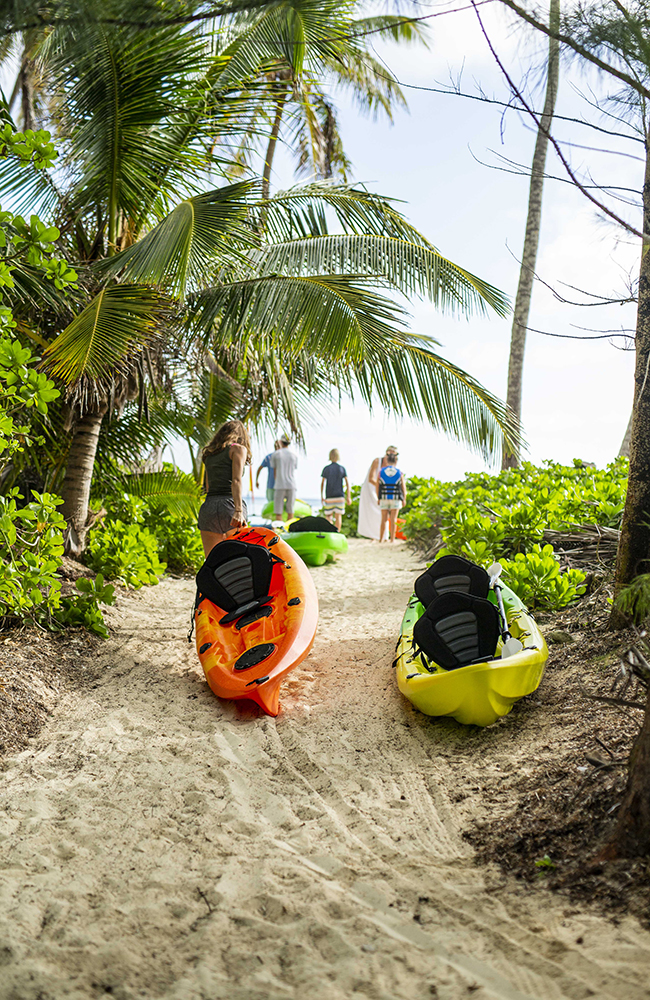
391	493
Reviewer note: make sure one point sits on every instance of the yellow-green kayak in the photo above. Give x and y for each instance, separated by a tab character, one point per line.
477	694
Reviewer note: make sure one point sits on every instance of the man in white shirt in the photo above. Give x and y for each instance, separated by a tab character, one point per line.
284	463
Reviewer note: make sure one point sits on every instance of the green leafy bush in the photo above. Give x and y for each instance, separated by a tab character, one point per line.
504	517
31	548
82	609
126	553
177	537
511	511
350	518
536	578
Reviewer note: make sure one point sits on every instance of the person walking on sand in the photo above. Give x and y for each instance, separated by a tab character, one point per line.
225	459
369	521
284	463
270	480
333	477
391	493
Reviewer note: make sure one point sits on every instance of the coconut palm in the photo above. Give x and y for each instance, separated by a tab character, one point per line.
328	48
260	282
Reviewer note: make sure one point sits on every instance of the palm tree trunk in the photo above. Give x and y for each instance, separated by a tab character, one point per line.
631	837
273	141
78	477
531	239
624	450
633	555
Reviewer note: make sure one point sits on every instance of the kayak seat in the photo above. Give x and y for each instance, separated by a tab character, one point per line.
458	629
236	576
451	573
312	523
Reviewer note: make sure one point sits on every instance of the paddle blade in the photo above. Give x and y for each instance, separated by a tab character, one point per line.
510	647
494	572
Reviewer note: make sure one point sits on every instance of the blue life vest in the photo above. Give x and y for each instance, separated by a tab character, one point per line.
389	483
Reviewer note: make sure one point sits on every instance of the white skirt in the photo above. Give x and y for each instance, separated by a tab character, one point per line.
369	513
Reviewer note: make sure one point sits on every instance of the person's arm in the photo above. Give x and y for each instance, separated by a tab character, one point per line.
238	459
402	483
322	480
347	491
378	487
374	469
257	475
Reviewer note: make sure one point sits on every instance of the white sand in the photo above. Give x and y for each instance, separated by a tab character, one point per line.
158	843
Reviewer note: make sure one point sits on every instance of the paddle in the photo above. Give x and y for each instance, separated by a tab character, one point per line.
510	644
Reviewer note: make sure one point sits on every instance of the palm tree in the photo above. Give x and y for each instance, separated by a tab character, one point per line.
261	282
328	47
510	459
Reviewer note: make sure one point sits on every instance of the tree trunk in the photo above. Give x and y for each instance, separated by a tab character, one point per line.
273	141
78	477
634	544
631	838
624	450
531	238
27	94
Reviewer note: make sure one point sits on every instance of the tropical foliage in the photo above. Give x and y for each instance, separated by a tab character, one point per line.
488	518
31	533
192	285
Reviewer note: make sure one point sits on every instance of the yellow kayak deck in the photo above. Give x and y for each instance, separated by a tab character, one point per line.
479	693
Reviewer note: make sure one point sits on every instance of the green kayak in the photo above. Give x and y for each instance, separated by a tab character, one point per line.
301	509
317	546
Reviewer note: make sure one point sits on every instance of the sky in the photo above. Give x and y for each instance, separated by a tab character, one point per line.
577	394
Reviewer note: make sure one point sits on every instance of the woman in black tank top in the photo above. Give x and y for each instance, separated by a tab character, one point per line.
225	459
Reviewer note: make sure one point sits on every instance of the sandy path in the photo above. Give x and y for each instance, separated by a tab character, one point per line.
158	843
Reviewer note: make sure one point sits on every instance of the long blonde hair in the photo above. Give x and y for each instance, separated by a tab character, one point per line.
232	432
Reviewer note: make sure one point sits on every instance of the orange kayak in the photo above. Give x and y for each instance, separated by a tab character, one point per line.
256	616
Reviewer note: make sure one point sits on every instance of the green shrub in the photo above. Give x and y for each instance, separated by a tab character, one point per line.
511	511
177	537
82	609
179	540
536	578
31	548
504	517
350	518
126	553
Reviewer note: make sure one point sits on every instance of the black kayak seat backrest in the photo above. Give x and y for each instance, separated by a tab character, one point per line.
457	629
451	573
312	523
236	574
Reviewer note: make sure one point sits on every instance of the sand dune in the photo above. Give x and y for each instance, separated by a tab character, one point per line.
158	843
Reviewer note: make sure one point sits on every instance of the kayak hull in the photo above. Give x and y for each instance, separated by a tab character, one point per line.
480	693
300	509
316	547
290	628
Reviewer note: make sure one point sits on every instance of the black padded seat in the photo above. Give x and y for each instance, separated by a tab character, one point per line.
311	523
236	576
451	573
458	629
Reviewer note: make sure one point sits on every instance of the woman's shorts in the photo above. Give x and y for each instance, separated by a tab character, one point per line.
216	513
390	504
334	505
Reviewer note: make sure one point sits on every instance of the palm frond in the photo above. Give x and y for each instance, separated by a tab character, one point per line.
198	234
306	210
119	320
287	33
177	492
352	335
411	268
336	316
394	26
